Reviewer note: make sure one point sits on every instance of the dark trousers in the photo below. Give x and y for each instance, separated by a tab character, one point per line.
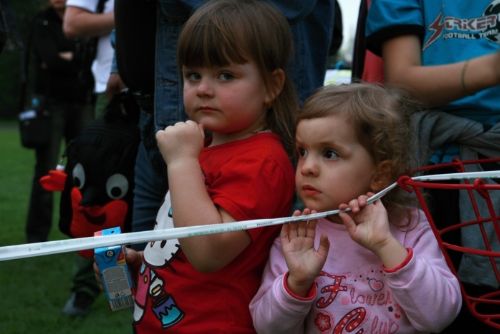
67	120
84	277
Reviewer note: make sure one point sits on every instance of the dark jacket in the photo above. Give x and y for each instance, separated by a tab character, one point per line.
56	77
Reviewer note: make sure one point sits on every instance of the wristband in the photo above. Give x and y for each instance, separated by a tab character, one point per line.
402	264
310	294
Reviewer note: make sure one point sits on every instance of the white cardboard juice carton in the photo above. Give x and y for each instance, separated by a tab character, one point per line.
114	273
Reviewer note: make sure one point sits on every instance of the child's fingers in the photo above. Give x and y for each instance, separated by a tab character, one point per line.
348	221
343	207
324	245
159	134
310	228
363	199
301	228
285	232
202	130
354	205
134	260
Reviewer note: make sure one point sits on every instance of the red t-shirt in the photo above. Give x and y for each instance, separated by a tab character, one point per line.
250	179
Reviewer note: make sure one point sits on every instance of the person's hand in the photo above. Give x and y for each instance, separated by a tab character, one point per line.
134	260
303	261
181	141
67	55
368	225
114	85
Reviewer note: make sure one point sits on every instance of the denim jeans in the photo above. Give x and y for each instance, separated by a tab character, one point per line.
150	178
150	170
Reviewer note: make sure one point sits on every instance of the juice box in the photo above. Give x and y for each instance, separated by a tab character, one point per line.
115	276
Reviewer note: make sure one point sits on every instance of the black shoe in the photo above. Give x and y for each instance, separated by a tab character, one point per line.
78	304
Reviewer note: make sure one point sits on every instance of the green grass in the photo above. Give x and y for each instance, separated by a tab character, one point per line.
33	290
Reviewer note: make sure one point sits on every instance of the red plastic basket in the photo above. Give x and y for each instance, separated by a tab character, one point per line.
485	306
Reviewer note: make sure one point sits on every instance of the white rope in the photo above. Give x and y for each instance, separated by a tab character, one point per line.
77	244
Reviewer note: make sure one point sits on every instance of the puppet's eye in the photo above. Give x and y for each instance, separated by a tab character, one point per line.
117	186
78	176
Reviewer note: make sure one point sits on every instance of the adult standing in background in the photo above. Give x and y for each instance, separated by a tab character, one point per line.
91	19
311	23
57	69
7	25
446	54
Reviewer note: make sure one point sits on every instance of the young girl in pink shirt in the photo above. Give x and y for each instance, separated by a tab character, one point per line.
374	269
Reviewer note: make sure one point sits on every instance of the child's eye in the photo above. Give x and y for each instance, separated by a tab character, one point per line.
330	154
226	76
192	76
301	152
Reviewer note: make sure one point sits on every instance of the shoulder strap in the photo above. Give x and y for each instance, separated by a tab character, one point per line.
26	56
100	6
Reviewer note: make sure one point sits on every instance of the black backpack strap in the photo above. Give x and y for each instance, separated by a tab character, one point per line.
100	6
25	66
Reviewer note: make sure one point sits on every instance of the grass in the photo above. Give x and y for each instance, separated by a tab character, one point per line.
33	290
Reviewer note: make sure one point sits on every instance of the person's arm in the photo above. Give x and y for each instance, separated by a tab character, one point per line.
115	84
440	84
45	46
180	146
424	287
79	22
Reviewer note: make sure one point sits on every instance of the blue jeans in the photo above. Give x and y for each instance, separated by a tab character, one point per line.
150	170
150	178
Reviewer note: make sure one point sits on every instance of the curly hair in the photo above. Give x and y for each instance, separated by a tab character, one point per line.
381	118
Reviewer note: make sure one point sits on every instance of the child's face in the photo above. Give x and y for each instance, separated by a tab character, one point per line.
229	101
333	166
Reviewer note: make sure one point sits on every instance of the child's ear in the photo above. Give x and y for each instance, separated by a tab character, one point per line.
382	176
275	86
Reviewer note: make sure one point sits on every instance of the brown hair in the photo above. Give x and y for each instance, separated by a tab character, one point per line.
380	117
235	31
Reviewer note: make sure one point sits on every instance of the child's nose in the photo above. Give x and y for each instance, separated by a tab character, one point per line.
309	166
205	87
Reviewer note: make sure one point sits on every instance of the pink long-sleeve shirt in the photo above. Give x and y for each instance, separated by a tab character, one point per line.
354	293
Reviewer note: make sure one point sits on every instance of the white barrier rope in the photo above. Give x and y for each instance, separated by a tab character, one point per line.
77	244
